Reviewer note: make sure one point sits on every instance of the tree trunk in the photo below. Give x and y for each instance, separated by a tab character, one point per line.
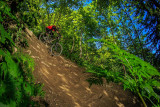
113	35
124	70
72	46
132	42
80	46
130	38
143	55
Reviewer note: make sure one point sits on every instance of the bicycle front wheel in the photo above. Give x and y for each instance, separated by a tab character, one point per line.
56	49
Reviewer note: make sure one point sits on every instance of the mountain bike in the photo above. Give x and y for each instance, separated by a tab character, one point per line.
56	47
44	38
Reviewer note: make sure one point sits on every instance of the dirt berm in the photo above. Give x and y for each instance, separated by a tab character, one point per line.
65	82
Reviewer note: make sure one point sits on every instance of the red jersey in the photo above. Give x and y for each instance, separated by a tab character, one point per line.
51	27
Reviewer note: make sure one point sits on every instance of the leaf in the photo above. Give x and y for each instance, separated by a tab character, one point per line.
3	69
92	71
28	88
92	40
11	104
2	88
4	35
2	52
154	82
1	17
11	65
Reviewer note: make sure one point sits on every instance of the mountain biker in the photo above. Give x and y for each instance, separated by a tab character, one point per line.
49	30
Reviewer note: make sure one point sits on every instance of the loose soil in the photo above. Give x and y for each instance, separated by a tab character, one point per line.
65	82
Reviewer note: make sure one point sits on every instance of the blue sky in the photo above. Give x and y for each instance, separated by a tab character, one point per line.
88	1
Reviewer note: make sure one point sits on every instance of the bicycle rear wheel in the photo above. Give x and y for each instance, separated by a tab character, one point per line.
43	38
56	49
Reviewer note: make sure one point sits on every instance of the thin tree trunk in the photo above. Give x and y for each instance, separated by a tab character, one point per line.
59	16
113	35
132	42
115	44
72	46
80	46
124	70
143	55
130	37
48	20
87	52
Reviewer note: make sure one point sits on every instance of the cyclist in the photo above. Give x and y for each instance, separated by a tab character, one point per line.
49	30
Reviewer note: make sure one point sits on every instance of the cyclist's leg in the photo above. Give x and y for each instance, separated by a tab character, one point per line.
51	33
48	31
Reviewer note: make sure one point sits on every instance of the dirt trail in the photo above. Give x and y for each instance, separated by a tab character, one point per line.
65	83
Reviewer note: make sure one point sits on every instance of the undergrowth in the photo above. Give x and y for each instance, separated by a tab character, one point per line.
138	76
17	84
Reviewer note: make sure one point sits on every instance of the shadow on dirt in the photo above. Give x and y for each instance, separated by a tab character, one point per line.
115	92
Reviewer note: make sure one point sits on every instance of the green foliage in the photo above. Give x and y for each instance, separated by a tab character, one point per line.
4	9
16	80
140	77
